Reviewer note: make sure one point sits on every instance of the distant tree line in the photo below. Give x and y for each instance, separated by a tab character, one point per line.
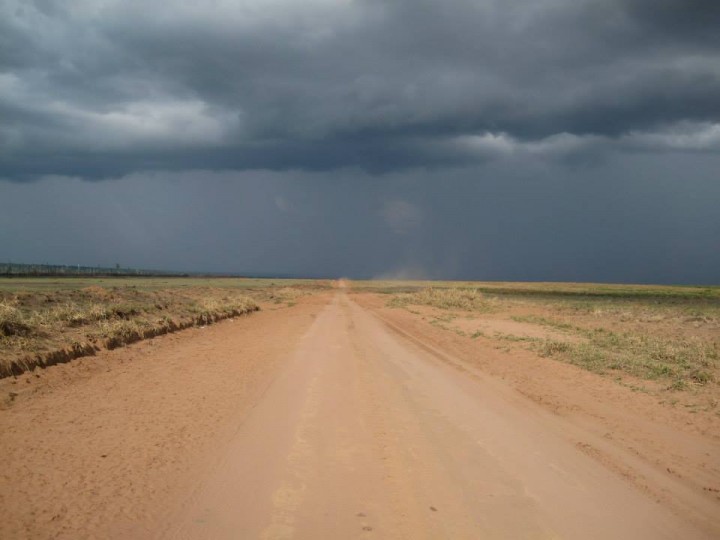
19	269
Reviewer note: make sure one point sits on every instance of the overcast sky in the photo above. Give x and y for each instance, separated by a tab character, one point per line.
485	139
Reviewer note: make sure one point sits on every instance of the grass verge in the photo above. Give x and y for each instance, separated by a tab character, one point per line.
679	361
42	329
458	299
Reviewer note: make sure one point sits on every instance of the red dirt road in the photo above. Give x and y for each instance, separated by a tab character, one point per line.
316	421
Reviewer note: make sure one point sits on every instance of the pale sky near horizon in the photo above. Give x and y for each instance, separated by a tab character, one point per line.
527	140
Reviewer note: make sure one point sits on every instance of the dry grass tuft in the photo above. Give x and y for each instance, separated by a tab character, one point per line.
289	293
120	332
12	322
212	310
459	299
279	295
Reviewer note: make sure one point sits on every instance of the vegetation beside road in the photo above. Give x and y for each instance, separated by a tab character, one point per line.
656	333
445	298
681	362
44	321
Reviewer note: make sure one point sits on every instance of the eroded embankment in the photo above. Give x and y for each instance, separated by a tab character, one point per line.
41	329
78	350
104	446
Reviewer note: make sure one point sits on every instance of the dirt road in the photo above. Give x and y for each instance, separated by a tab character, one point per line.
365	435
357	432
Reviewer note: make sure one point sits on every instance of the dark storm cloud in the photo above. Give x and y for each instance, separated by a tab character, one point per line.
628	219
104	88
694	22
533	139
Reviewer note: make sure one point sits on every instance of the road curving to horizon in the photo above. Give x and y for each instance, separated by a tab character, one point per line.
321	420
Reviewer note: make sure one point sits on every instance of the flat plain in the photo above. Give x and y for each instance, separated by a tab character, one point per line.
228	408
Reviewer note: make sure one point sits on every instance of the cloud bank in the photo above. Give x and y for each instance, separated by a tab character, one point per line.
469	139
105	88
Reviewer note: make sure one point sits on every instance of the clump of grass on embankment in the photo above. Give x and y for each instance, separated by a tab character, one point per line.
447	298
12	322
287	295
678	361
215	309
40	329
